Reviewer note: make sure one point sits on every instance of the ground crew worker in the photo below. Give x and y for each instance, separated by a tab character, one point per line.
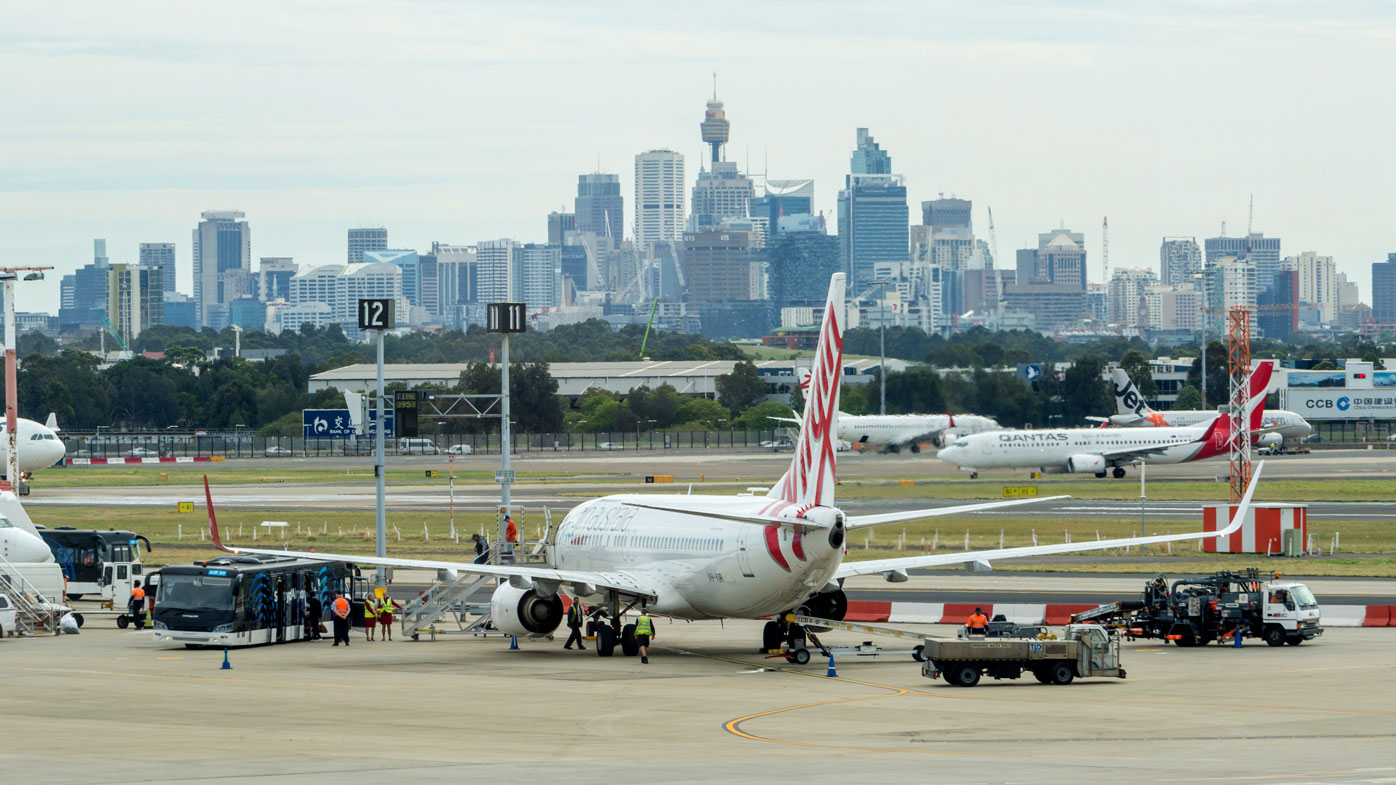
511	538
978	623
370	616
314	609
576	616
644	633
340	609
385	616
136	606
482	549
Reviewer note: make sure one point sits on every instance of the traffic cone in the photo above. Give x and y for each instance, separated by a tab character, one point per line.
832	672
513	643
1237	634
226	665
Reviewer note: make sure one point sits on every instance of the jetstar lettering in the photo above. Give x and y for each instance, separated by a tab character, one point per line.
1131	398
1033	437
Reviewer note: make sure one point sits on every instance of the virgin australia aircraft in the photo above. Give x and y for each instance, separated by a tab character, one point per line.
704	557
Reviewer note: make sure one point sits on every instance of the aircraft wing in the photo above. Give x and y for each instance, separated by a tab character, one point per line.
1135	453
581	581
725	515
849	569
864	521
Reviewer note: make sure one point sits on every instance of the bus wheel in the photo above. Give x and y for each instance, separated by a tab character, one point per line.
122	621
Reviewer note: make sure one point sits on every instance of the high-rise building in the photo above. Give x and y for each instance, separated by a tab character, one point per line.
408	260
952	213
135	299
1228	282
599	207
798	264
659	198
180	311
715	129
1179	260
458	277
1384	290
1127	286
1318	282
160	256
340	287
537	273
366	238
222	264
559	224
783	199
274	278
1278	315
869	157
1171	308
1060	258
1256	248
717	266
720	194
99	252
495	261
83	294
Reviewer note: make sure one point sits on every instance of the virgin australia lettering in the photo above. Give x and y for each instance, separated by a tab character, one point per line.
705	557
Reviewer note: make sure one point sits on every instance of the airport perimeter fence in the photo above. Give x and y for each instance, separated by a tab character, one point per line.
117	447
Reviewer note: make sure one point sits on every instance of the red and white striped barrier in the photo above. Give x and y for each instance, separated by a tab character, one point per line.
1057	614
113	461
1261	532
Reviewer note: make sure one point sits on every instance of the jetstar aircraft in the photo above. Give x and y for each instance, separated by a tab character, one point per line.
704	557
1134	412
1101	450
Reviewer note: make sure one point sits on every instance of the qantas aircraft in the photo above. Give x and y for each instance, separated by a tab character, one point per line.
1134	412
1100	450
705	557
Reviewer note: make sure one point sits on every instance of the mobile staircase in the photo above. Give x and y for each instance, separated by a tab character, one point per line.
33	614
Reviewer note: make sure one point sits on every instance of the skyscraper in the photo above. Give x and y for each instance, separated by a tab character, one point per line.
799	264
659	199
874	221
721	192
1256	248
1279	317
371	238
1127	286
412	281
99	252
135	299
869	157
274	278
1179	259
1384	290
1318	282
495	259
599	207
1060	258
717	266
783	199
946	213
1228	283
537	273
559	224
222	264
160	256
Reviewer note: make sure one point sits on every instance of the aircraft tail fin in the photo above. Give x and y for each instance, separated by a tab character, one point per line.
809	482
52	422
355	403
1259	385
1127	397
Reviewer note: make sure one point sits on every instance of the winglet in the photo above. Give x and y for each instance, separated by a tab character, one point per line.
213	520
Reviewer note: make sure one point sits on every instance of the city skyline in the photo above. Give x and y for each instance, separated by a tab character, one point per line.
1143	137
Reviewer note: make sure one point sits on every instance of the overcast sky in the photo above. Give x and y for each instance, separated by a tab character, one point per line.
462	122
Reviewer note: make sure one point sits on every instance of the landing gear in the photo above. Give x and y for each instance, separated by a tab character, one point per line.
605	641
915	448
974	475
1100	475
628	645
1119	472
771	636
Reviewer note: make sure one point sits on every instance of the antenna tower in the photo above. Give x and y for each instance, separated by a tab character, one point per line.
1238	346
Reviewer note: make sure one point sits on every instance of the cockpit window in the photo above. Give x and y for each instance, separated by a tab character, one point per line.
961	443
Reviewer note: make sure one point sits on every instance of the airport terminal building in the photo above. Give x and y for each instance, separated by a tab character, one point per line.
1353	403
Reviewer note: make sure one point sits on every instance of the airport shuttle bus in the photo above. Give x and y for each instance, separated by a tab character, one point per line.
96	561
248	600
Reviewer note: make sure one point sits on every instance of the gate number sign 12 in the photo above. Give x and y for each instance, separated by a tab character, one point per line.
376	314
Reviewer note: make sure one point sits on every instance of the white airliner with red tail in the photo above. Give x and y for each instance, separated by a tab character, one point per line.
705	557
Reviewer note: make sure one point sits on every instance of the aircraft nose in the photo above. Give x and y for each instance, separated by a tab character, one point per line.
949	454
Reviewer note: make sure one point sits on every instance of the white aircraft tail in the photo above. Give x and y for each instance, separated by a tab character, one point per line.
809	482
52	422
355	403
1127	397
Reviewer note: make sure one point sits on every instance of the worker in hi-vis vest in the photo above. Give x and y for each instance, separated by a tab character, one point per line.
370	616
978	623
644	633
340	609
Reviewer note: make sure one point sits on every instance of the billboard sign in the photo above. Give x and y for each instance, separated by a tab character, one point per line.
390	431
326	423
1345	404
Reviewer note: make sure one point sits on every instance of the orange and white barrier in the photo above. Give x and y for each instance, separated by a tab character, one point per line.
1261	532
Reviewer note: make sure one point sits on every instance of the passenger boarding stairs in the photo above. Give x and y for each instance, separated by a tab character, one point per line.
33	615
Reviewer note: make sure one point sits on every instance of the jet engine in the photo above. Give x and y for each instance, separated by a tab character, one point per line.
1085	464
826	605
1271	440
524	612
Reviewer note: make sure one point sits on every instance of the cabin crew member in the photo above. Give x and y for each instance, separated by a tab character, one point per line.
978	623
313	609
136	606
511	538
644	633
370	616
482	549
385	616
340	609
576	616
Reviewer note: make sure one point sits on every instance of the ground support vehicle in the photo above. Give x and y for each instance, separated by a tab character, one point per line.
97	562
1086	650
796	649
1218	607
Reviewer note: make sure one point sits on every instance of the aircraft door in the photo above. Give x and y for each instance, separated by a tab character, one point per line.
106	582
985	448
281	609
743	557
120	585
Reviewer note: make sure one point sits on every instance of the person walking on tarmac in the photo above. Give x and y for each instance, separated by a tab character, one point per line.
314	609
482	549
385	616
370	616
644	633
511	539
978	623
136	606
340	609
576	617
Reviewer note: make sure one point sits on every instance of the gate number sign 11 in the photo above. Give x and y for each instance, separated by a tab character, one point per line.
376	314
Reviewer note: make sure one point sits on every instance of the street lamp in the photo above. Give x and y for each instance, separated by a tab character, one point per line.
882	343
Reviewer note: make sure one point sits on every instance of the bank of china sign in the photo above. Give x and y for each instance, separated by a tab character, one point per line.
1343	404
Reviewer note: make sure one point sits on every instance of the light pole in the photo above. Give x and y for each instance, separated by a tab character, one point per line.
8	275
882	344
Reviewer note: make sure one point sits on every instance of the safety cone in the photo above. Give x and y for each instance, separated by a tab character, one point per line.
1237	635
513	643
226	665
832	670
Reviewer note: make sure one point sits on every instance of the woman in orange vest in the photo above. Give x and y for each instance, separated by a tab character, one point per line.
978	623
340	609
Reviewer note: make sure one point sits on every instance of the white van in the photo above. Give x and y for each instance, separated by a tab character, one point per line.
9	618
416	447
